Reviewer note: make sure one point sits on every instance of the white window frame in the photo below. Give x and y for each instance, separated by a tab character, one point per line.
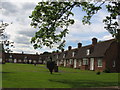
85	61
99	62
80	62
64	55
0	60
88	51
73	54
19	60
114	63
57	56
30	61
25	58
71	60
11	56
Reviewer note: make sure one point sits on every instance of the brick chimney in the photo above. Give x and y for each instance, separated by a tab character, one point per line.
22	52
69	47
94	41
57	51
62	50
79	45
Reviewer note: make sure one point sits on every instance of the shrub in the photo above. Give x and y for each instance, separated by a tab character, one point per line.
98	73
106	70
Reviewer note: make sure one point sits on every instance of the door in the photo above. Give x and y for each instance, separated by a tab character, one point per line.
64	63
15	61
75	62
92	64
57	63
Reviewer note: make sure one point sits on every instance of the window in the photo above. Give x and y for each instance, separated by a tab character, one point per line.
88	51
19	60
0	60
114	63
99	62
73	54
80	62
63	55
25	57
71	61
10	56
85	61
39	58
57	56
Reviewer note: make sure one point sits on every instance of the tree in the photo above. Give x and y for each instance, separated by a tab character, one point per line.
2	28
53	18
7	44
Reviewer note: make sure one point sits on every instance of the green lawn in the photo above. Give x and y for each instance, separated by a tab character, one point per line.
30	76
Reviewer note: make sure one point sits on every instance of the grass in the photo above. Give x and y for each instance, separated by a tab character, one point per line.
30	76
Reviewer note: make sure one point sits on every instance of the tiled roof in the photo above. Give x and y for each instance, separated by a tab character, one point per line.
97	50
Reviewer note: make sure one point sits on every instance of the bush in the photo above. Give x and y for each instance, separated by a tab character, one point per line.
106	70
98	73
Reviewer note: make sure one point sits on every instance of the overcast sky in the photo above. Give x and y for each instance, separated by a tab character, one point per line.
20	31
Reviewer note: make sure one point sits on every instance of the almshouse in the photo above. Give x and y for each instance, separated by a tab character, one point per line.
97	56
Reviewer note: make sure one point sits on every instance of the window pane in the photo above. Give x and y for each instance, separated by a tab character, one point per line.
113	63
99	62
85	61
80	62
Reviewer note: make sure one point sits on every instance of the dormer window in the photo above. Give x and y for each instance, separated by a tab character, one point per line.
88	51
10	56
63	55
73	54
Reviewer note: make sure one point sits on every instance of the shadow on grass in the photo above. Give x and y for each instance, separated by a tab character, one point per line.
56	73
85	83
7	72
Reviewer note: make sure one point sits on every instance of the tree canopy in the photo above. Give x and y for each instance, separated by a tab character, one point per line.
53	18
6	43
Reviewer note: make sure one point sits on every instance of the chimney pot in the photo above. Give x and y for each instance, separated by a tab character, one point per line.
79	45
62	50
57	51
69	47
94	41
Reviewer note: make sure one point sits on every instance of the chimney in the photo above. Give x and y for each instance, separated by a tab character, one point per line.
79	45
57	51
69	47
22	52
36	53
94	41
62	50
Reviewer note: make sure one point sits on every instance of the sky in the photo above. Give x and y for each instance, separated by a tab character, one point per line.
20	31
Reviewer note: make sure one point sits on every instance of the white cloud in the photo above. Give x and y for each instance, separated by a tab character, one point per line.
20	31
106	37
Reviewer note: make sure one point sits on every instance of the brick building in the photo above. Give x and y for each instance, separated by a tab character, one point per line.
97	56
